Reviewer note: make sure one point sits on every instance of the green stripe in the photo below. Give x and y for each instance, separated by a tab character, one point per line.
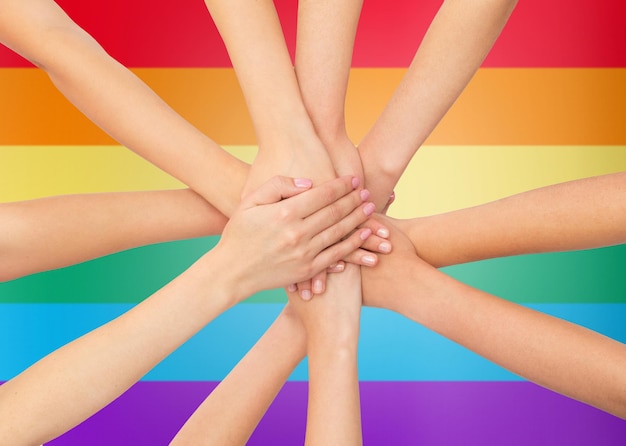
591	276
130	276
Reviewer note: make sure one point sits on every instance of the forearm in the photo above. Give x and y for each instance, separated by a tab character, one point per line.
333	415
119	102
581	214
457	41
334	412
288	144
551	352
75	381
49	233
559	355
232	411
326	32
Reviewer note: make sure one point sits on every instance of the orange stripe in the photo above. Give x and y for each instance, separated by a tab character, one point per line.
500	106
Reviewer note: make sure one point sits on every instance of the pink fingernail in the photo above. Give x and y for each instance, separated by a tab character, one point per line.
385	247
366	233
302	182
365	194
383	232
369	209
317	287
368	260
355	182
306	294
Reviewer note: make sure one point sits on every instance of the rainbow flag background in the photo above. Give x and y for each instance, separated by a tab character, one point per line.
548	105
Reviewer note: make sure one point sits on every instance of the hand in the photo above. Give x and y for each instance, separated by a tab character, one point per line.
378	287
284	233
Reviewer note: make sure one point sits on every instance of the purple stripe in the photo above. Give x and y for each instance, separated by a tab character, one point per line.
394	413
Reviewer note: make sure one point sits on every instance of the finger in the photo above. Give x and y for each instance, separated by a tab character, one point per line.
324	195
304	290
392	198
362	257
377	227
319	283
377	244
337	212
338	267
342	228
276	189
338	251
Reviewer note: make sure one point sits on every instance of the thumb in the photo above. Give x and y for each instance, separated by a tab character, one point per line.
276	189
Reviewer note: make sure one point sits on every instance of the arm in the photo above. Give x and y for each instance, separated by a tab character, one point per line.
455	45
229	415
119	102
37	235
580	214
556	354
326	32
332	328
267	243
232	411
287	141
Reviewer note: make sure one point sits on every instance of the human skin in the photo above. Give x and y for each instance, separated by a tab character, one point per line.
289	142
118	102
277	235
323	53
564	357
37	235
457	41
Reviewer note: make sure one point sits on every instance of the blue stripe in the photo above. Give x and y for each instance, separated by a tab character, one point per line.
393	348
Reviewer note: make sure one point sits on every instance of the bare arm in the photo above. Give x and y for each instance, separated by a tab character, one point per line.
580	214
49	233
232	411
556	354
119	102
268	242
288	144
455	45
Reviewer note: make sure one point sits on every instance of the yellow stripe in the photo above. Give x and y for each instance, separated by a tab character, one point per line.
28	172
444	178
439	179
501	106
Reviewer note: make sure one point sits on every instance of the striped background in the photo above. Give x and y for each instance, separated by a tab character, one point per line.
549	105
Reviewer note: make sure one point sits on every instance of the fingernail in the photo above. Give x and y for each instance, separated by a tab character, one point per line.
337	267
302	182
355	182
383	232
369	208
368	259
291	288
365	194
318	287
306	294
366	233
385	247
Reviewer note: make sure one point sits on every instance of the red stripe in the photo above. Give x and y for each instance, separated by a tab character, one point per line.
171	33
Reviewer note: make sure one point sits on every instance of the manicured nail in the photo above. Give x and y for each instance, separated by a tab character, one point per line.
302	182
291	288
337	267
369	208
368	259
306	294
365	194
385	247
366	233
355	182
317	287
383	232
